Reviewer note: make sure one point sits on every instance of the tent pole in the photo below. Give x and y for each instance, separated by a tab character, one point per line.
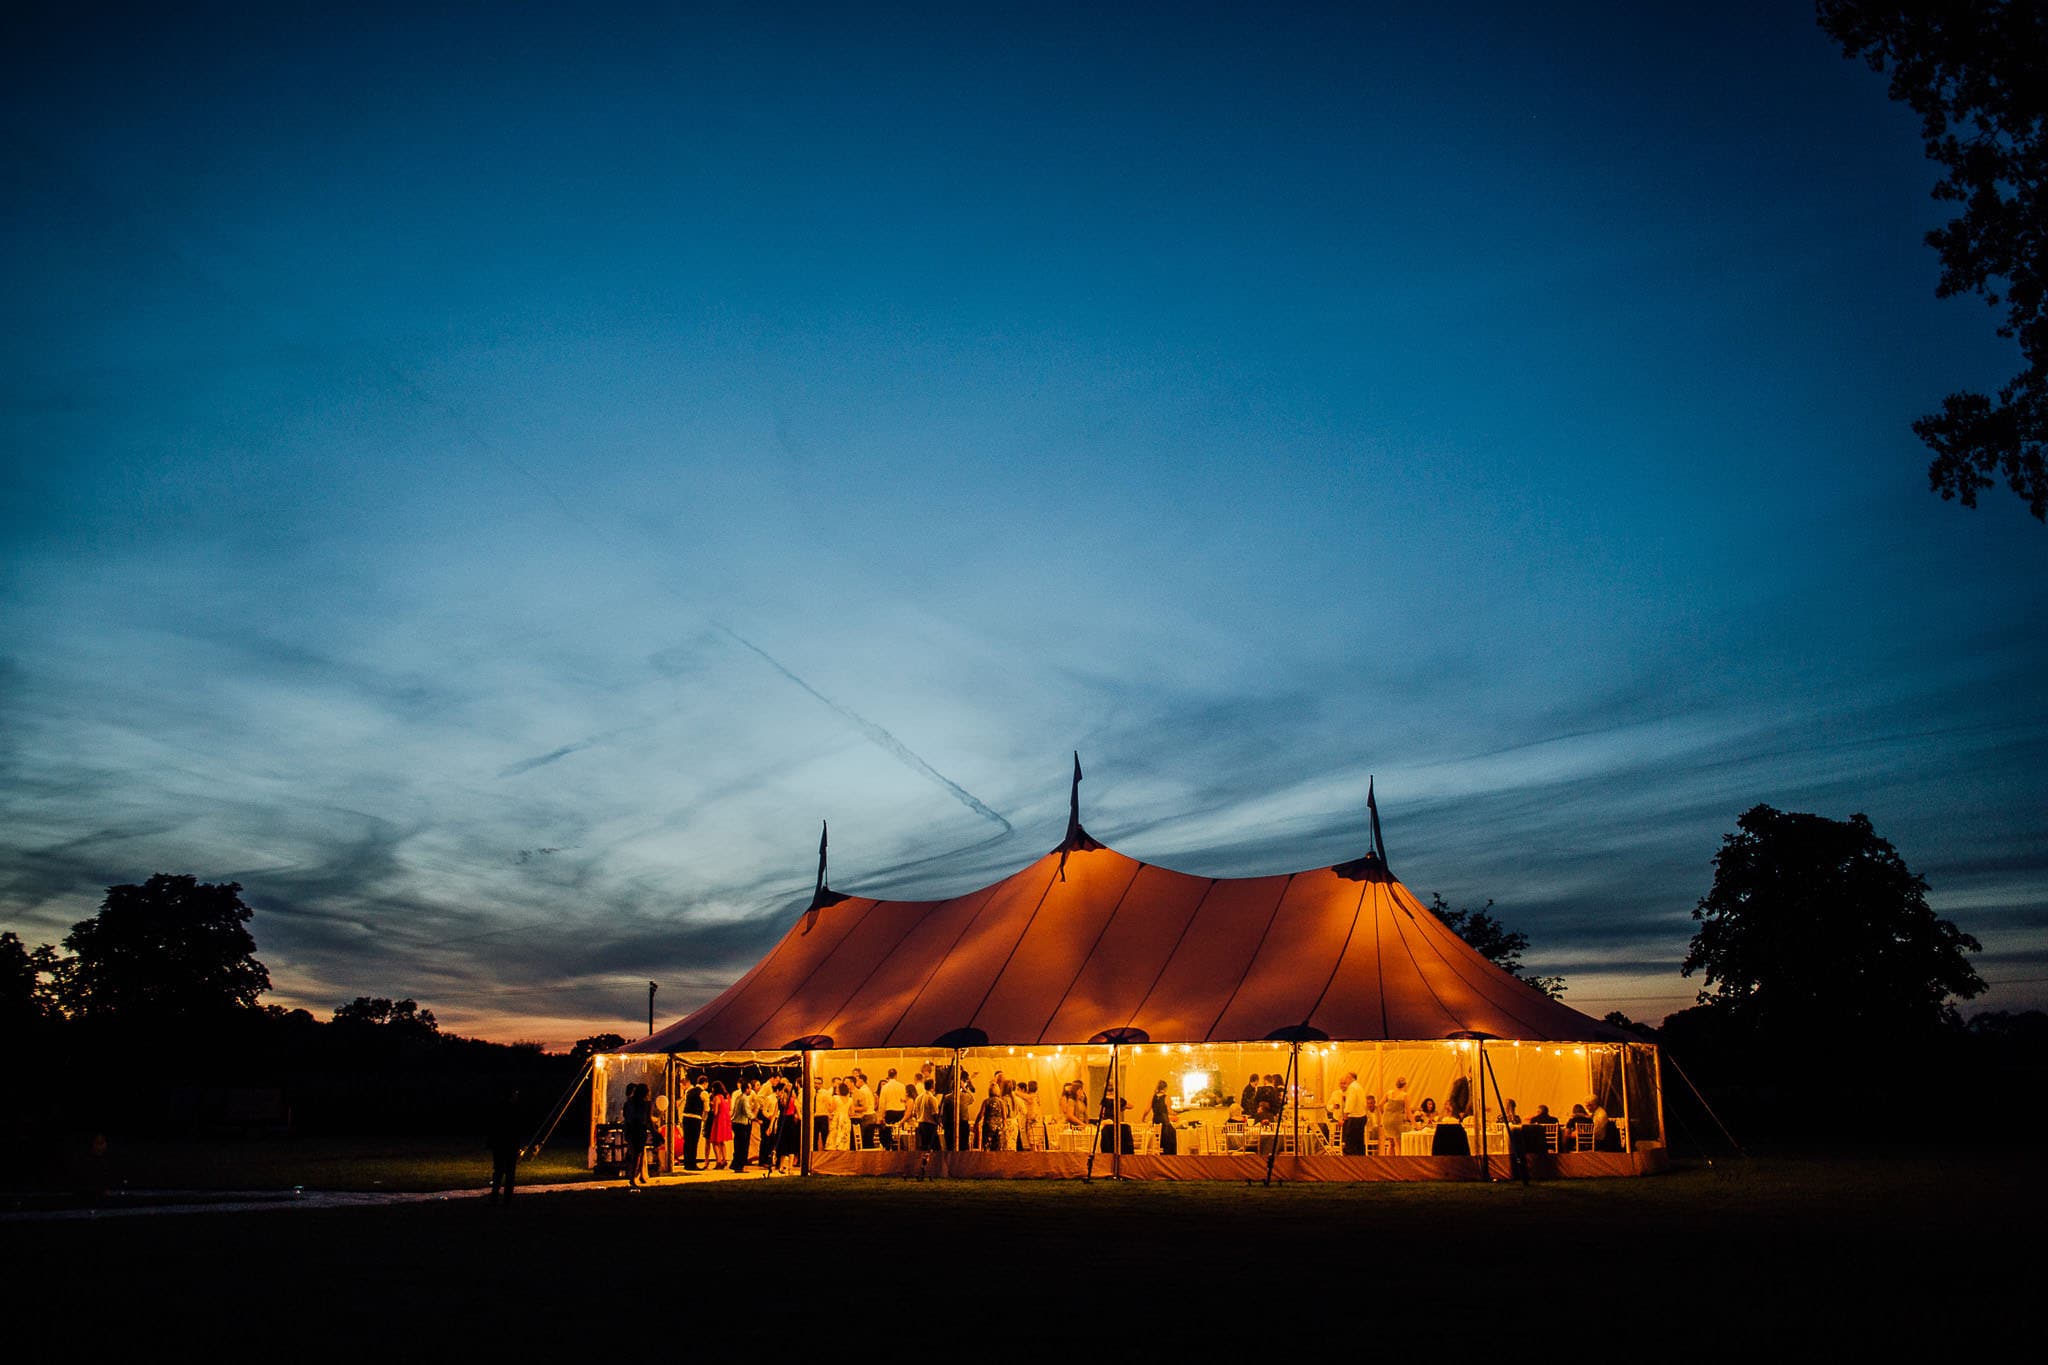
1294	1065
597	1097
1485	1161
1657	1062
1487	1073
810	1104
1629	1142
1117	1126
1273	1153
953	1124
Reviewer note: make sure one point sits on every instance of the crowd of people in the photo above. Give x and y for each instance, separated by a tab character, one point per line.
1369	1123
758	1122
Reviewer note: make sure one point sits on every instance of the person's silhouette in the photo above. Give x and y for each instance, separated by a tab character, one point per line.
503	1140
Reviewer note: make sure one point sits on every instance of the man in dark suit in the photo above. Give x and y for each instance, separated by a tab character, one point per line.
1266	1104
693	1122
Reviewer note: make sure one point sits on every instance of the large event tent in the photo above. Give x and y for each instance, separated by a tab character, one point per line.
1093	966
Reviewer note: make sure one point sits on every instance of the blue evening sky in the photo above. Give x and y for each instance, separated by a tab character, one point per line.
490	479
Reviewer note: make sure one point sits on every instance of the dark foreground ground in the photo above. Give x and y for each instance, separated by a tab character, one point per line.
1750	1260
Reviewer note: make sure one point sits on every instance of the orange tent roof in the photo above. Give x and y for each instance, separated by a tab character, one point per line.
1086	940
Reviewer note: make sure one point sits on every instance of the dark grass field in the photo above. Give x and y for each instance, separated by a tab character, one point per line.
1768	1256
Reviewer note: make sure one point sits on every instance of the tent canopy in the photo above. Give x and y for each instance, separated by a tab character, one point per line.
1087	942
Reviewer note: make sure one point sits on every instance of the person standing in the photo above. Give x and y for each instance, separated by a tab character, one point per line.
1162	1114
721	1123
1394	1114
789	1143
634	1119
891	1099
693	1121
1357	1110
841	1137
503	1140
863	1111
767	1119
744	1102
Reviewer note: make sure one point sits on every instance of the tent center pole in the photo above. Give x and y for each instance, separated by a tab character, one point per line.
809	1107
1294	1066
1116	1126
1485	1161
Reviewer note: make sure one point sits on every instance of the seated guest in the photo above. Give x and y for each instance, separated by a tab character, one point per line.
1123	1129
1606	1132
1250	1098
1509	1117
1543	1115
1579	1127
1427	1114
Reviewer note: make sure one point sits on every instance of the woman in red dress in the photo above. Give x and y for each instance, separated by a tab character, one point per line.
721	1124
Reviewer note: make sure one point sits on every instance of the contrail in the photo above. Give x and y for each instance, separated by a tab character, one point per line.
470	433
876	734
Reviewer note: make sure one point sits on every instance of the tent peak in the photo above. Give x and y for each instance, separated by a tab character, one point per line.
1372	809
1077	839
823	895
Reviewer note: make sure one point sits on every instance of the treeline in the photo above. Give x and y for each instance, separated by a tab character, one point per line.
148	1019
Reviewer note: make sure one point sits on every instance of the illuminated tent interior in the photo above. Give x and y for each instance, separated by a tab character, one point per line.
1091	966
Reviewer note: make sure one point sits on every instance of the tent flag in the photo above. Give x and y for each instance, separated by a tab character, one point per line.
819	894
823	896
1075	837
1373	809
1074	802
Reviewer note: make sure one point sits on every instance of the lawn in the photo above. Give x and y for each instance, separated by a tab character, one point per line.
1776	1253
281	1163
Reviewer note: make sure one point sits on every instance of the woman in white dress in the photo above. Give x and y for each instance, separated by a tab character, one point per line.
1394	1114
840	1138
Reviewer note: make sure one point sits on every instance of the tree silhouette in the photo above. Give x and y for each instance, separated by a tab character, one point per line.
1497	943
1818	924
24	999
398	1016
1976	72
172	949
595	1044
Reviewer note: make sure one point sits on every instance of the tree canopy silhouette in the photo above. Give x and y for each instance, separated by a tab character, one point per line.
24	1001
1497	943
171	949
1976	72
399	1016
1818	924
